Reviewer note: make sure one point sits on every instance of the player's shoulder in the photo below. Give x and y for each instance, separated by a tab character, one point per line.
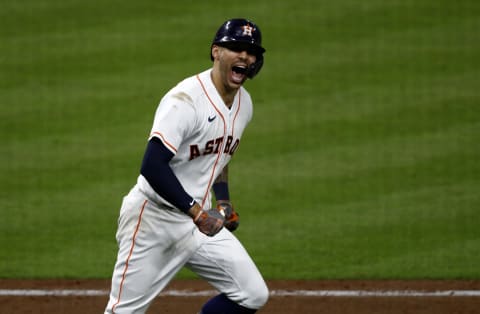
245	99
187	90
245	95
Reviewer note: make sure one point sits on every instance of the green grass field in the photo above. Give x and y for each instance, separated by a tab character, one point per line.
362	160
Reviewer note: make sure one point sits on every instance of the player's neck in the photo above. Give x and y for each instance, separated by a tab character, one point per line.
228	99
226	93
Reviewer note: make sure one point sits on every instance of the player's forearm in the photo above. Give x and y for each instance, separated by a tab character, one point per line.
220	186
194	211
223	176
156	170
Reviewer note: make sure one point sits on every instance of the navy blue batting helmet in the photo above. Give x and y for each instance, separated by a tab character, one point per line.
241	35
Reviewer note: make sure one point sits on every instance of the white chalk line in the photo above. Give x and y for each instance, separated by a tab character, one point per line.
275	293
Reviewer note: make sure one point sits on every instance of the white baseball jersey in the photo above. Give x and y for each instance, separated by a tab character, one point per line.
193	122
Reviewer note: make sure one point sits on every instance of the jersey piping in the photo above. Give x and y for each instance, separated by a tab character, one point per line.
237	112
220	151
129	256
169	145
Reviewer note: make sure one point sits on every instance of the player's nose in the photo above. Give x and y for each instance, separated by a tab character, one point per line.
243	54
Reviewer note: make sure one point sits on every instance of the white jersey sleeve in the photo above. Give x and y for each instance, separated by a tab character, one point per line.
174	120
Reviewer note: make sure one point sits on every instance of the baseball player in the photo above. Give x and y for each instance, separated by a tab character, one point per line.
167	220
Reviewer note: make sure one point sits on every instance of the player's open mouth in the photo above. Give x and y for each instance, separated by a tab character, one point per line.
239	69
238	73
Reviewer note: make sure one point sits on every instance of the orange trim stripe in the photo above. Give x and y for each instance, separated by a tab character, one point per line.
164	141
129	255
236	113
223	143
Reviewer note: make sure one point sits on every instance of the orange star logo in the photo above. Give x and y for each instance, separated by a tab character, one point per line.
247	30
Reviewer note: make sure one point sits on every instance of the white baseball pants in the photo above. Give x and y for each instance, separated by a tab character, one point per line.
155	243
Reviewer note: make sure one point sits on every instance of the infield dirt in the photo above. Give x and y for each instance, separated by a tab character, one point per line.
277	304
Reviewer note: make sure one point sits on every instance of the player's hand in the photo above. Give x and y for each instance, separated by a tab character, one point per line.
232	219
209	222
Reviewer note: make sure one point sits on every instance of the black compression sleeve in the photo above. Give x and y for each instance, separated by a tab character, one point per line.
157	171
221	191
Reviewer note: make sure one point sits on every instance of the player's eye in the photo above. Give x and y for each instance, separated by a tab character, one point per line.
242	47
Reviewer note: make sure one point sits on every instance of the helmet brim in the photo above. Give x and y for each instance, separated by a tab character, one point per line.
238	45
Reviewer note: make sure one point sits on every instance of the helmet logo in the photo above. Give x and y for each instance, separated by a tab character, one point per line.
247	30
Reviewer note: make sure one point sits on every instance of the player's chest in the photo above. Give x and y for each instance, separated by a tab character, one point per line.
219	134
216	123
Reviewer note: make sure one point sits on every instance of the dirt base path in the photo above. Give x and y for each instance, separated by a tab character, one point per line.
187	296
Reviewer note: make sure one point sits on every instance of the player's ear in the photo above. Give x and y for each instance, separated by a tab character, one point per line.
215	51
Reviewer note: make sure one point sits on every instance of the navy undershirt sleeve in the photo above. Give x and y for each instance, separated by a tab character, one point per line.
221	191
156	169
